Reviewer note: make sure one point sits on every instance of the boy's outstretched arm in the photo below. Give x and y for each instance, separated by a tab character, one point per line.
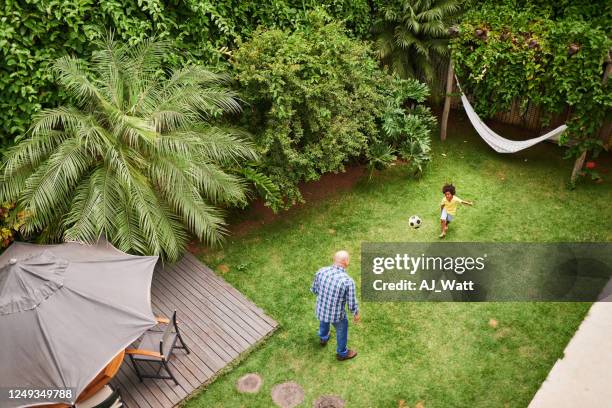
467	202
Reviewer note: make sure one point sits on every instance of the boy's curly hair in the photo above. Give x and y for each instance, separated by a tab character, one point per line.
448	187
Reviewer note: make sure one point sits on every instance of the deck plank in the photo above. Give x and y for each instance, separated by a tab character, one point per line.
217	322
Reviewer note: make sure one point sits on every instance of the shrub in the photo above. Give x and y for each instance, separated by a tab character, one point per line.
10	224
317	100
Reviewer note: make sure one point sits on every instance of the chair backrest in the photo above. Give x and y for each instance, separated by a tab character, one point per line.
167	333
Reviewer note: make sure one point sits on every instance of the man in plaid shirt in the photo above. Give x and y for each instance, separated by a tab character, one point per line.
334	289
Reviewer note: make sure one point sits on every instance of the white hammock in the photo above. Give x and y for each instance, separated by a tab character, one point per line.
499	143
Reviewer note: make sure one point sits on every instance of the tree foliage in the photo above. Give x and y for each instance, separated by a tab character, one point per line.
503	53
407	129
136	159
317	100
34	33
10	223
412	35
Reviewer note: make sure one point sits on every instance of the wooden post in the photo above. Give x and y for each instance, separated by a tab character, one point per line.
450	78
608	69
580	160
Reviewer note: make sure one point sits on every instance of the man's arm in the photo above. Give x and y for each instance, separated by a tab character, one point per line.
353	306
314	288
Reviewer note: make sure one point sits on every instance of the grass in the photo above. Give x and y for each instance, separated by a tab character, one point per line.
443	354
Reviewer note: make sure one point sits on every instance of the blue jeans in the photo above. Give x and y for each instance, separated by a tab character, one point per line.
341	335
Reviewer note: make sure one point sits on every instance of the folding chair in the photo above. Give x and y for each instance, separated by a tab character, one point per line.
156	347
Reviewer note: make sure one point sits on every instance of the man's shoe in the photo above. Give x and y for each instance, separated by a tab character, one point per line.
349	355
323	342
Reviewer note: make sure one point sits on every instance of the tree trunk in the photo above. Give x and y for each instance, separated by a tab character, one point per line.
447	100
578	166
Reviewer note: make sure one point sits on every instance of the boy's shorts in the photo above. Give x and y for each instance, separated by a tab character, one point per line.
446	216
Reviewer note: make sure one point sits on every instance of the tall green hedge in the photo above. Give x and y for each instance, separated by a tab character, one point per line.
36	32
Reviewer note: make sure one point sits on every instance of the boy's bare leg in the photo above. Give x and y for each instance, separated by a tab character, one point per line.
444	228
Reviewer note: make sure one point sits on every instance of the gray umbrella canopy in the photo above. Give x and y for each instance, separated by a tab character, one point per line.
65	312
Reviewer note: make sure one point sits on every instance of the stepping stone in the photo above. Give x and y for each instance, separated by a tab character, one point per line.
288	395
329	401
250	383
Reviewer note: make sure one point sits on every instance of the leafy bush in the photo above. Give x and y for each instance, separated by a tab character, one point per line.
136	159
408	133
35	33
596	12
318	100
503	53
10	224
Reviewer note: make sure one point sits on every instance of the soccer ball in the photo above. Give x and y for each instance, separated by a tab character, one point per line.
414	221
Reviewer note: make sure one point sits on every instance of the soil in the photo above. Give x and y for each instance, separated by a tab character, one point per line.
330	184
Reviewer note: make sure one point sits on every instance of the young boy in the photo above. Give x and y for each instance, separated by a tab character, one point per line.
448	206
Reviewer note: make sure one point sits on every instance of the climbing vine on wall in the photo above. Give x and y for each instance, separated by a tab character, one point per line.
501	54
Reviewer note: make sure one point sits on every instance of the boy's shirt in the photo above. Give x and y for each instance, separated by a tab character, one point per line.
451	206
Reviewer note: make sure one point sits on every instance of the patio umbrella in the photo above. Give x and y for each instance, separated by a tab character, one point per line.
65	312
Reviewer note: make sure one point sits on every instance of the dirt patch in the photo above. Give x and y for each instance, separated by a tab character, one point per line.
329	185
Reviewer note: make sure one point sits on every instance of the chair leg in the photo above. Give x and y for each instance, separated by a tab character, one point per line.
183	345
178	334
136	368
169	372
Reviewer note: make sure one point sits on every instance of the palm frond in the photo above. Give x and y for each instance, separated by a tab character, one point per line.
420	32
51	185
72	75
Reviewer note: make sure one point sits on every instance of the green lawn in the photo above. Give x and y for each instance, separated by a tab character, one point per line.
443	354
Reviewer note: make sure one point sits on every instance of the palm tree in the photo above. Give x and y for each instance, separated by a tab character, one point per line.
412	35
136	159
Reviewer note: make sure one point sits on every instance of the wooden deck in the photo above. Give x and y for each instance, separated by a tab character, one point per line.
216	321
